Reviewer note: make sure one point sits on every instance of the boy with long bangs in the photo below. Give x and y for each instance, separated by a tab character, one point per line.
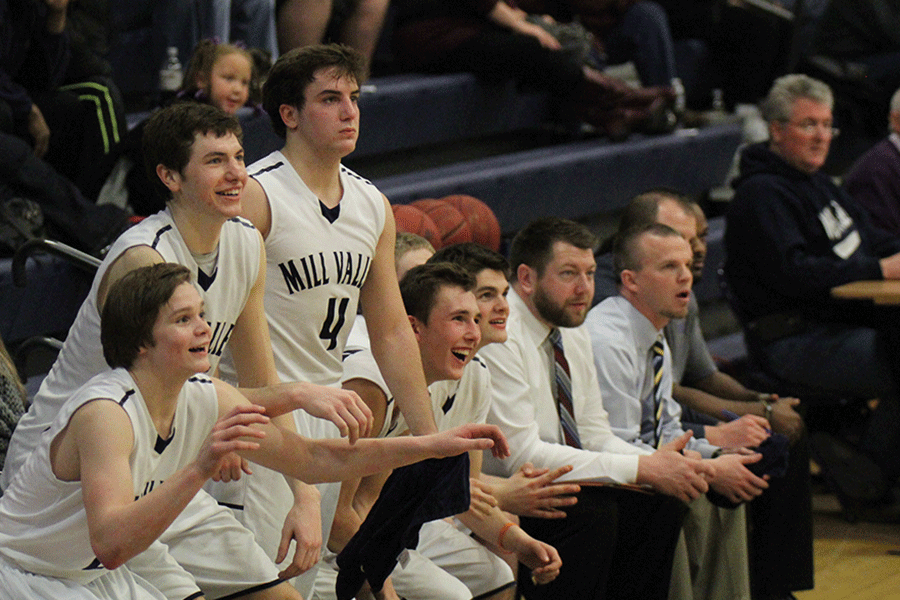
128	452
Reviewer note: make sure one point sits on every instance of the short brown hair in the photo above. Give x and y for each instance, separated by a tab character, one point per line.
472	257
296	69
132	307
170	133
533	245
421	284
626	253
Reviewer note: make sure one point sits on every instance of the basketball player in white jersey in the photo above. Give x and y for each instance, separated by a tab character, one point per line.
447	564
329	238
195	152
133	446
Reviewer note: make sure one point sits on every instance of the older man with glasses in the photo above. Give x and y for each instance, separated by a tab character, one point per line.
791	236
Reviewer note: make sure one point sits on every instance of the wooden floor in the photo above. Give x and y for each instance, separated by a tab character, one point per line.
853	561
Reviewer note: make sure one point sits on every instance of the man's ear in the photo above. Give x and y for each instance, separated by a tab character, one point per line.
170	177
416	326
628	280
775	131
527	279
289	115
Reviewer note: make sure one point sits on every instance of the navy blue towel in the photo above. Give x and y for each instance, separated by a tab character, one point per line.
412	495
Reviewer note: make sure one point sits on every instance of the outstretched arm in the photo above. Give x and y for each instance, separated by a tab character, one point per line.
315	461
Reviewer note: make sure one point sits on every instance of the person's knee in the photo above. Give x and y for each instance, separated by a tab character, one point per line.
647	15
282	591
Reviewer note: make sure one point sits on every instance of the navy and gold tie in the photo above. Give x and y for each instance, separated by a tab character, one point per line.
563	390
657	356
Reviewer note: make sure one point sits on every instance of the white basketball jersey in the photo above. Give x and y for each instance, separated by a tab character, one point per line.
465	401
43	525
224	293
317	261
453	403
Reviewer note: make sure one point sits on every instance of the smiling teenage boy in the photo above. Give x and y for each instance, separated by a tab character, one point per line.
444	316
131	448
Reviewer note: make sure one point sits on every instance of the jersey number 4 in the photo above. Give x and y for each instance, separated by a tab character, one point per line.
334	321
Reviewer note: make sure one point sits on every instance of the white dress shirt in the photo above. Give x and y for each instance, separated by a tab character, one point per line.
622	339
525	409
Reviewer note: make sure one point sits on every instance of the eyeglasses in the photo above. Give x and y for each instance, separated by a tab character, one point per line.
809	128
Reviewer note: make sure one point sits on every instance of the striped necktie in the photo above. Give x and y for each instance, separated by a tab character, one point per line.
657	356
563	390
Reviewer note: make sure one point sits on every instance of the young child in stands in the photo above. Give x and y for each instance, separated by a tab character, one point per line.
219	74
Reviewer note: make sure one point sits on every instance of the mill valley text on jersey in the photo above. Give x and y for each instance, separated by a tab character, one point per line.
338	268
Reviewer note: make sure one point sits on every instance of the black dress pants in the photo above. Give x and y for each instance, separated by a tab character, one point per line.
614	543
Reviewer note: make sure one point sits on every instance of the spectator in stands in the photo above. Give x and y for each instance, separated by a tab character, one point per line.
556	420
874	180
625	30
89	76
67	215
250	22
12	398
34	56
355	23
182	25
219	74
865	32
791	236
744	47
497	42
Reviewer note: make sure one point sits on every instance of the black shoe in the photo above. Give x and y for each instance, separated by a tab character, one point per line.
853	476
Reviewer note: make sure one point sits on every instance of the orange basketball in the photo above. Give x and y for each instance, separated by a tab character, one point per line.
451	223
414	220
482	220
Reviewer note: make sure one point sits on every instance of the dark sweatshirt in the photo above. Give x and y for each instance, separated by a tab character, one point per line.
31	60
792	236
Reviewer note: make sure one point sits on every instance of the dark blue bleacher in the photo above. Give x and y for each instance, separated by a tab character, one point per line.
579	179
408	111
48	303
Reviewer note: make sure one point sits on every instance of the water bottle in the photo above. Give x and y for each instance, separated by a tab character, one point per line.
170	75
718	114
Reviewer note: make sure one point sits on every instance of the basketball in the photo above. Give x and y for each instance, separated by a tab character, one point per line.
414	220
482	220
450	221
